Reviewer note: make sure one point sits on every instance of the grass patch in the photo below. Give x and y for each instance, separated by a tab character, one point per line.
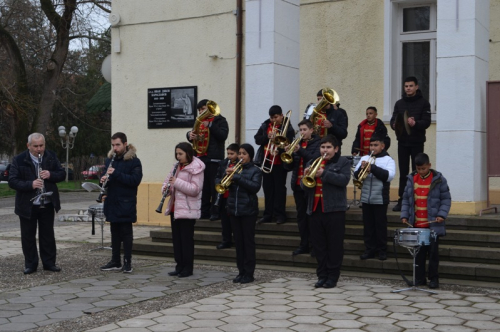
6	191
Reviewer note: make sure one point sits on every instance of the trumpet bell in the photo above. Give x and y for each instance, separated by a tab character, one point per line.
309	181
220	188
286	158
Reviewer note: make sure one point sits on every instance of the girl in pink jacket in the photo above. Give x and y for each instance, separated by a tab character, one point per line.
185	183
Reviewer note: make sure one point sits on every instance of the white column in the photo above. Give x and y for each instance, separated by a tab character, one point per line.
271	61
462	72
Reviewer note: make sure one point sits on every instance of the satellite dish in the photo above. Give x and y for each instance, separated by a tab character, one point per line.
106	68
114	19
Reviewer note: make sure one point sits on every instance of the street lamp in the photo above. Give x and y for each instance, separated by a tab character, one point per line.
70	142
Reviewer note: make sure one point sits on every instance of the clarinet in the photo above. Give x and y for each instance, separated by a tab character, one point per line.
104	191
218	194
167	191
41	191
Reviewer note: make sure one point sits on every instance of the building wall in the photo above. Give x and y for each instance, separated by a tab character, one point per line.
169	46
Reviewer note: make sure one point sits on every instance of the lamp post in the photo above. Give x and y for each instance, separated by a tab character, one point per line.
67	142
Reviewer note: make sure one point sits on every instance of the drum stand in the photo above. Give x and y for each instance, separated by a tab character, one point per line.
414	251
93	212
354	201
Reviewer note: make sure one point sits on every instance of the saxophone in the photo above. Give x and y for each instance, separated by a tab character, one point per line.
199	142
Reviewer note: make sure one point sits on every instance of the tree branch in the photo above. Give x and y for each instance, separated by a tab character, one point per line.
90	37
51	13
100	4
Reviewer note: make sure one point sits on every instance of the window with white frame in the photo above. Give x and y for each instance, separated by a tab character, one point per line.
411	46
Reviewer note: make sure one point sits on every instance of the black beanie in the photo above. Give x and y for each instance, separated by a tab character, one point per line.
275	109
249	149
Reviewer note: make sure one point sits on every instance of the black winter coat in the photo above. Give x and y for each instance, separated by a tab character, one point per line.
23	173
380	131
219	130
338	118
311	152
420	110
242	200
262	140
120	204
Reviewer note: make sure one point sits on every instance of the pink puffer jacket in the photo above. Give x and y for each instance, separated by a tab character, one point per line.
186	191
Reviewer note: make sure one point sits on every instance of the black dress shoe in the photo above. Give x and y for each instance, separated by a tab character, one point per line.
367	255
237	279
397	207
29	270
264	220
214	217
173	273
246	279
382	256
320	283
52	268
299	251
224	245
434	283
184	274
280	221
330	283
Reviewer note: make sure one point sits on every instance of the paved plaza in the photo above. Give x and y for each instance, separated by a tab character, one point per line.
150	300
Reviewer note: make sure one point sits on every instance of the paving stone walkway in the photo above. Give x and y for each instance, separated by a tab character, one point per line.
38	306
294	305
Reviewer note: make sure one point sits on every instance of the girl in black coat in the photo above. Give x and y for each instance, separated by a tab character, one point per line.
243	208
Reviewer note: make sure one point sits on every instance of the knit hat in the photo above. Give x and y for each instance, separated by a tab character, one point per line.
249	149
275	109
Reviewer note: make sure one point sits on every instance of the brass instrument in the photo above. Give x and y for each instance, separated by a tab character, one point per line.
212	110
309	179
226	181
167	191
104	191
280	139
363	173
287	156
269	153
330	96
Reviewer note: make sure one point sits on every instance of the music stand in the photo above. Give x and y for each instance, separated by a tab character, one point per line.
414	251
96	210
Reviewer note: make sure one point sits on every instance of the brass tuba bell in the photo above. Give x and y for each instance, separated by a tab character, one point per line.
330	96
212	110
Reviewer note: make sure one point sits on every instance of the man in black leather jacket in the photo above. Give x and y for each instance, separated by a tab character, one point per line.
410	144
29	179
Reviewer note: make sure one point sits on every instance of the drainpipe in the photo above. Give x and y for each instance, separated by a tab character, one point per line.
239	48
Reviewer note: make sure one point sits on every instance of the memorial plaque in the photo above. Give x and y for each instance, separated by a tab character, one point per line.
172	107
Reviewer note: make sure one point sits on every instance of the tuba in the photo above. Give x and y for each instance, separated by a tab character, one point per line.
309	179
287	156
228	179
280	140
212	110
330	96
363	173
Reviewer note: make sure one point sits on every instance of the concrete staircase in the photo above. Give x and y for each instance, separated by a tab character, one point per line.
470	250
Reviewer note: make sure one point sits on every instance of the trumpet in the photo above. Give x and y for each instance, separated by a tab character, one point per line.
167	191
286	156
226	181
104	184
309	179
363	173
280	139
198	143
270	153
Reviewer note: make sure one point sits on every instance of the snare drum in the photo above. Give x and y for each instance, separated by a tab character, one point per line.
355	160
414	237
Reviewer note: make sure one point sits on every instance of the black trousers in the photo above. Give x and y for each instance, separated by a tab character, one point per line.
432	251
244	240
375	227
183	241
302	218
327	237
43	218
225	221
209	194
405	153
274	185
121	232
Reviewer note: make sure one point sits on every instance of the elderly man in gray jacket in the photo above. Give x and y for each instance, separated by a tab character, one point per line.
375	173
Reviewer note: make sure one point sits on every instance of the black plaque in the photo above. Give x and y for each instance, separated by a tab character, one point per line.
172	107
